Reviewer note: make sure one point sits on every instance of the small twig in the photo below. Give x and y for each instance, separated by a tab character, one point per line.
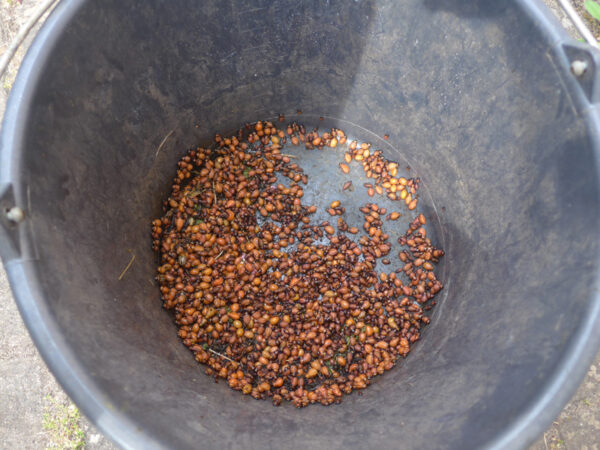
163	142
127	268
222	356
219	255
545	443
289	156
23	32
214	192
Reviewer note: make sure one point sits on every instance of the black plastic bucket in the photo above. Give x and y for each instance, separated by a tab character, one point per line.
477	96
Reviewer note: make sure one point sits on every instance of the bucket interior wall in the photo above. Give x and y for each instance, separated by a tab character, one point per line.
468	94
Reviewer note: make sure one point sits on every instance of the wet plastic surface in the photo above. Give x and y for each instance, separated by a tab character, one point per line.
476	96
326	181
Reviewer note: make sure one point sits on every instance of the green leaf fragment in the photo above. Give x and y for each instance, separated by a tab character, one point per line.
592	8
329	367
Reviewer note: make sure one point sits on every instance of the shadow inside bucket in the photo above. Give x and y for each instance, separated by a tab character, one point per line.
477	8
